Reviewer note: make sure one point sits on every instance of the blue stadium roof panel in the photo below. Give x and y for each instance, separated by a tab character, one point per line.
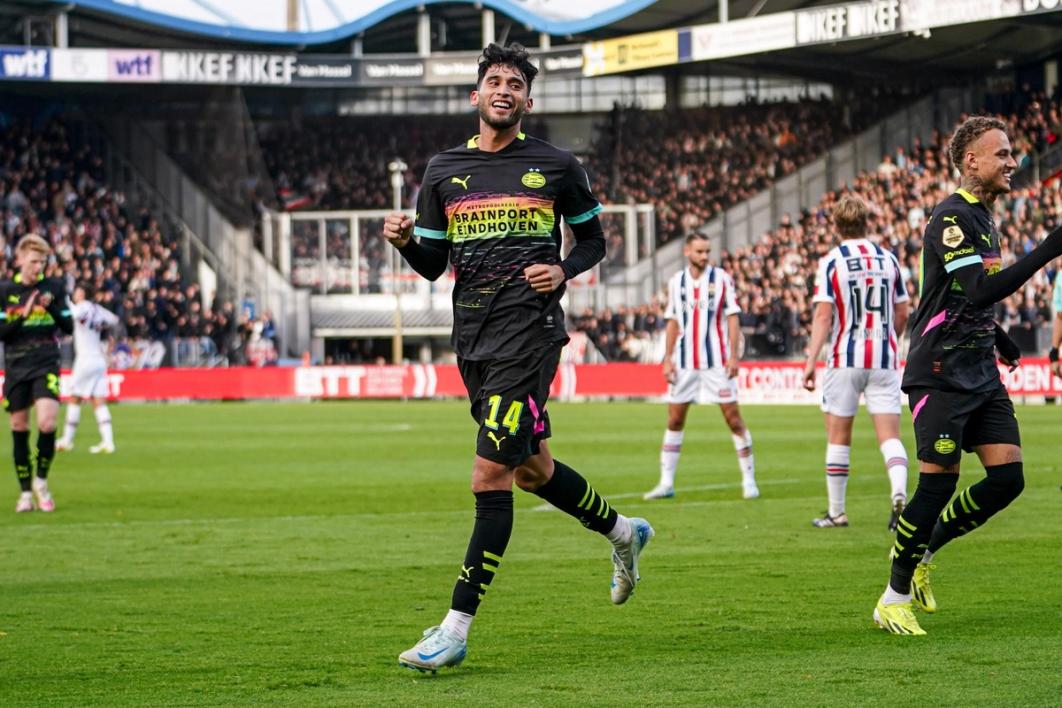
322	21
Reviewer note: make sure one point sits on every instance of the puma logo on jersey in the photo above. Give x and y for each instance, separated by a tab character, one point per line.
462	182
950	219
12	298
987	239
497	442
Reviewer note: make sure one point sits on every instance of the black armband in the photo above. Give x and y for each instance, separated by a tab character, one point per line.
1052	354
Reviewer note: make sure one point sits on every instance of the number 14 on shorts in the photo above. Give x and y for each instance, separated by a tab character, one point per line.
511	421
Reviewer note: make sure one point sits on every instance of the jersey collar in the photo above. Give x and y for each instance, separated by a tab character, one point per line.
971	199
704	274
18	277
473	142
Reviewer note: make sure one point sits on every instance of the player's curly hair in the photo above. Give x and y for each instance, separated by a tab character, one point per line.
971	129
515	55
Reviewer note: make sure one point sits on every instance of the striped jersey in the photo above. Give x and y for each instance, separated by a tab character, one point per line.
863	282
700	306
90	320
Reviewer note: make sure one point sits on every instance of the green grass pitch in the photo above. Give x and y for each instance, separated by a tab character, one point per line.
284	554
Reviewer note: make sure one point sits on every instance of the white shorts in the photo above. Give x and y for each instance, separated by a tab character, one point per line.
841	389
89	382
702	386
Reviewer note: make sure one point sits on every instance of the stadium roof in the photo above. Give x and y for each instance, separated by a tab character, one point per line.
389	27
265	22
324	21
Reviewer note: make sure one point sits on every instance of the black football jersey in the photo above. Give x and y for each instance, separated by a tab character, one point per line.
31	344
501	212
953	341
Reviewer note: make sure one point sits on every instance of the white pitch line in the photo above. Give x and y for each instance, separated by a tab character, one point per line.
367	516
702	488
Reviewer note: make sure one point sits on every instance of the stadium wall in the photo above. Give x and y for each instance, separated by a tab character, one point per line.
764	382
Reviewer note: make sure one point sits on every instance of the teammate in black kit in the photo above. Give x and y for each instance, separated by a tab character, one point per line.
957	399
492	208
35	311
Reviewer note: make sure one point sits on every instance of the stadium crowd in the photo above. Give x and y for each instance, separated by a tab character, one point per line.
52	186
775	275
694	163
707	160
342	163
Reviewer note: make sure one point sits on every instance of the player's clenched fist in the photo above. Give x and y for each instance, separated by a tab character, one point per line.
397	229
544	278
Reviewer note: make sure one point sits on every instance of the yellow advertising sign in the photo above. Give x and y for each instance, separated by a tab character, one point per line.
638	51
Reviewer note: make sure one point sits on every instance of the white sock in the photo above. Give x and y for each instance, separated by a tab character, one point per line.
669	456
891	597
73	417
743	446
459	623
927	556
896	462
103	420
620	535
837	457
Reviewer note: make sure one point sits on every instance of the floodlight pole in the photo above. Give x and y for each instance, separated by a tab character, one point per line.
397	169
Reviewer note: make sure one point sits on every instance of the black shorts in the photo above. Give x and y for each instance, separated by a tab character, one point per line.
508	399
20	394
948	422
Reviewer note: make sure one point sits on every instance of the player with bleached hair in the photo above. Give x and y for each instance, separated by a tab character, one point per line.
35	312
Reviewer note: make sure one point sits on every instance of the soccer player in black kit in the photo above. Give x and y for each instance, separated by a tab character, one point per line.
35	312
957	399
492	208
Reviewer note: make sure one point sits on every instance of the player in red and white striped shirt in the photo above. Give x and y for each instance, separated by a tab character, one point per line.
860	305
701	363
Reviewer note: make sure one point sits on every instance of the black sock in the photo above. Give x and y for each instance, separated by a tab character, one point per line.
45	453
569	492
490	536
916	524
978	503
20	451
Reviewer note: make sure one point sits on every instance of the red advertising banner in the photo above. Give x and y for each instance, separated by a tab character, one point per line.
758	382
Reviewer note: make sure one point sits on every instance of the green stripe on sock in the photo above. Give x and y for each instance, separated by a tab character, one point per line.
585	496
492	556
962	500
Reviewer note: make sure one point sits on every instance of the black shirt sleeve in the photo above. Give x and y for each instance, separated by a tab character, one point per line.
428	258
431	220
984	289
1006	346
59	308
9	321
589	248
576	203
